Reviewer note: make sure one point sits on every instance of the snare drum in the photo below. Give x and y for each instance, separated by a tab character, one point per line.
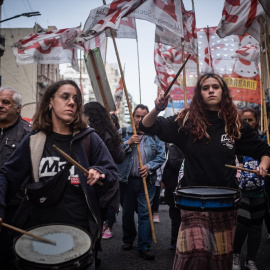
72	249
207	198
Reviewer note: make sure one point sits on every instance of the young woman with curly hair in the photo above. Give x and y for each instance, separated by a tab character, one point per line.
210	133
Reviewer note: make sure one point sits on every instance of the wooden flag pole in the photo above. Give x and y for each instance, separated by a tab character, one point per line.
262	80
184	74
135	133
138	57
105	60
172	106
263	103
197	57
137	145
266	38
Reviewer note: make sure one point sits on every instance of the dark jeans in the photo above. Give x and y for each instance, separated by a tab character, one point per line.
253	234
155	205
111	218
267	220
249	225
175	216
132	198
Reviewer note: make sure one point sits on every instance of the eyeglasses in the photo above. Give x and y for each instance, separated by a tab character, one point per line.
66	97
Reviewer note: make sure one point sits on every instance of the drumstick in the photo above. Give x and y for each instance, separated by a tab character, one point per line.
75	163
175	77
242	169
28	233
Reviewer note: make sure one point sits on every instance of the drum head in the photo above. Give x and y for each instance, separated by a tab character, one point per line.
71	243
208	191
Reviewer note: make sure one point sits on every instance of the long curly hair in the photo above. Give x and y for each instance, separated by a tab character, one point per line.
196	113
42	119
101	122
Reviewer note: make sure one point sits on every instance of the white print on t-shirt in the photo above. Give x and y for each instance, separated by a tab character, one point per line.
227	140
50	166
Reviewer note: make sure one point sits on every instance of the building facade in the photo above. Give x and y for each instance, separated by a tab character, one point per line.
83	80
29	80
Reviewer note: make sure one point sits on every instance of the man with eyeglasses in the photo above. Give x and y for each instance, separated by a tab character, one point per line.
12	130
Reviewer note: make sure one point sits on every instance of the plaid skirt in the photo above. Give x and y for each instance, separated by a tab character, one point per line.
205	240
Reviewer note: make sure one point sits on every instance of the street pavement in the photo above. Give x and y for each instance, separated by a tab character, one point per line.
114	258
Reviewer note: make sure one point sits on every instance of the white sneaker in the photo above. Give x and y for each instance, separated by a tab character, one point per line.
236	262
156	218
251	265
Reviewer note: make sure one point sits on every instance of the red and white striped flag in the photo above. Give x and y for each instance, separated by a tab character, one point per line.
127	29
52	47
118	94
108	16
155	11
249	52
239	17
96	42
190	33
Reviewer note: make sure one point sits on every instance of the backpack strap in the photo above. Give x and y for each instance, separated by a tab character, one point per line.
86	146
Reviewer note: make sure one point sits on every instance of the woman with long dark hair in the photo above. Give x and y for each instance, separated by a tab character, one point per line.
70	197
100	120
210	133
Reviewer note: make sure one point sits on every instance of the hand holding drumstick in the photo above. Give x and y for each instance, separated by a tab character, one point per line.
260	172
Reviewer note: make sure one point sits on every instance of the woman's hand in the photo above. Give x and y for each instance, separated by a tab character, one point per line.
161	102
262	170
93	176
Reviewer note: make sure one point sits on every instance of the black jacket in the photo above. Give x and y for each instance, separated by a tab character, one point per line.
10	137
26	162
205	161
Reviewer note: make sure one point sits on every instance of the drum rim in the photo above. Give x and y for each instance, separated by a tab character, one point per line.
178	192
47	225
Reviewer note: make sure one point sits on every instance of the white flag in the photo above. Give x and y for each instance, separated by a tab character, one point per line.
163	14
239	17
108	16
51	47
127	29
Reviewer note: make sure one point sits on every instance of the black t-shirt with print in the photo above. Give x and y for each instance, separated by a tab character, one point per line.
72	207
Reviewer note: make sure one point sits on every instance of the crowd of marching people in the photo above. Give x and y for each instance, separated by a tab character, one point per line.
184	154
